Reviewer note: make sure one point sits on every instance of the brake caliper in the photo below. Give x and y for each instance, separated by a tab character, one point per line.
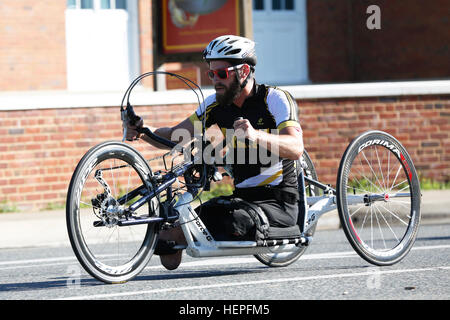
109	209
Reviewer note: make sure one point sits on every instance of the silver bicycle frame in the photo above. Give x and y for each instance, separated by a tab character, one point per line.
200	243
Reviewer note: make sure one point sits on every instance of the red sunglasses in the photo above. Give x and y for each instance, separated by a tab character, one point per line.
222	73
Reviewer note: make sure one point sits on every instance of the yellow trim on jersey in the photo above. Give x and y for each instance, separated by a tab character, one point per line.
208	110
288	123
271	179
194	118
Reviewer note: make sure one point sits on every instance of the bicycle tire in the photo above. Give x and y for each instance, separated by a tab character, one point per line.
383	229
287	258
96	247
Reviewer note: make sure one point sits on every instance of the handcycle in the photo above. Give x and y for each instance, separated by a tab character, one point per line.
116	205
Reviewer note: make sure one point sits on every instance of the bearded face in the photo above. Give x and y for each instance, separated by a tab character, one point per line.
227	89
225	95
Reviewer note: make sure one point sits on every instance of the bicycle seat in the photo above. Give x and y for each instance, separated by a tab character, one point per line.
276	233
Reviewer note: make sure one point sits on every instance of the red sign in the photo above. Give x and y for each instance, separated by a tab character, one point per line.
189	25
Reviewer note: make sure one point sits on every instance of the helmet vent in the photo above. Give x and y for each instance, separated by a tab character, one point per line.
213	44
223	49
223	40
235	51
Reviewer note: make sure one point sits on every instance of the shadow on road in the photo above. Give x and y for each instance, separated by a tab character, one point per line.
432	238
56	284
197	274
66	282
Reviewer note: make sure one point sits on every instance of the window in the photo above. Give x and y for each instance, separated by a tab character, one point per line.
97	4
71	4
276	4
289	4
283	5
258	4
106	4
87	4
121	4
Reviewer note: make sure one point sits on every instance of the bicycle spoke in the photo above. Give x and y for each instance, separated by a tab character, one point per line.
368	180
89	204
381	170
371	226
379	228
388	225
399	184
396	175
371	169
393	214
356	211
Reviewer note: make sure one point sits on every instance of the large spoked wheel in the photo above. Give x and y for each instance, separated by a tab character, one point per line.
286	258
378	198
109	252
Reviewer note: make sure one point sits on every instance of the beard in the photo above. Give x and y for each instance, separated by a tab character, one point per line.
230	94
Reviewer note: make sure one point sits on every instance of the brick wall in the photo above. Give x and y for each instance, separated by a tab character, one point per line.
420	123
32	45
39	149
411	44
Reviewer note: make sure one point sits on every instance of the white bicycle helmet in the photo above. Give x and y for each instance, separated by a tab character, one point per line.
232	48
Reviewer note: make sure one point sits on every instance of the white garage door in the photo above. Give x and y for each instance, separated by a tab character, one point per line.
279	28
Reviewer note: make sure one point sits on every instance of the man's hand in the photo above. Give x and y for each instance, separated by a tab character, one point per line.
287	144
132	133
244	129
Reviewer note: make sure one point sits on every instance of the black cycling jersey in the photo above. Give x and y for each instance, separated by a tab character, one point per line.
270	109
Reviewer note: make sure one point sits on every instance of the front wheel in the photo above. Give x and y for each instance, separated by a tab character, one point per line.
95	206
378	198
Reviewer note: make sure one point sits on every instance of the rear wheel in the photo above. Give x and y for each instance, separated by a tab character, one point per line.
378	198
286	258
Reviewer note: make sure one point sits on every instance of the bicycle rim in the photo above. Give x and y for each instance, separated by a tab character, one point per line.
377	169
109	252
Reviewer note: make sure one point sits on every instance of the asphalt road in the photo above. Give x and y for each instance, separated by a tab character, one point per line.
328	270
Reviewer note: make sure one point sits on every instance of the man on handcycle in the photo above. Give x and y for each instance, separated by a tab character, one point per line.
265	117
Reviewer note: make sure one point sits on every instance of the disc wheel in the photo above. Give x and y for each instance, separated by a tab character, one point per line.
378	198
109	252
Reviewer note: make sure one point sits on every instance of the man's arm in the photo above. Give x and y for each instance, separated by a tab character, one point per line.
178	134
287	144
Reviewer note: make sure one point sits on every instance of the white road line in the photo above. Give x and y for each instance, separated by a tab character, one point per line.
256	282
203	262
45	260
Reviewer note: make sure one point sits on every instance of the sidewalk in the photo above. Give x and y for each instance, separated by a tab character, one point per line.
48	228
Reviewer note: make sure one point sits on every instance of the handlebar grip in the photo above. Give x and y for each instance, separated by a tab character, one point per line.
132	117
150	134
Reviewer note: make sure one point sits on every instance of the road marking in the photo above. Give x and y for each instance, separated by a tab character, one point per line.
47	260
43	262
255	282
